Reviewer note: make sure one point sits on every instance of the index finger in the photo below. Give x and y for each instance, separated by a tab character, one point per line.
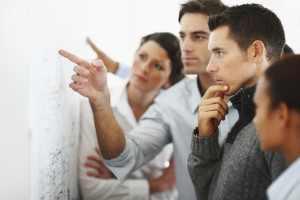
213	90
74	59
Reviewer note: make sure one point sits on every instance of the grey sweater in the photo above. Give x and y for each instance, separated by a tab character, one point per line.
238	170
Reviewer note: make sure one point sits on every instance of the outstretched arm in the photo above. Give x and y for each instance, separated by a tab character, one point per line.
111	65
90	80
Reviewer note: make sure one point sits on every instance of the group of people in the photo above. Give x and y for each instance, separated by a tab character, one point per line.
228	133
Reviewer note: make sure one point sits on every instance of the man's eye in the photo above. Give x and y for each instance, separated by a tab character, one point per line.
199	37
220	53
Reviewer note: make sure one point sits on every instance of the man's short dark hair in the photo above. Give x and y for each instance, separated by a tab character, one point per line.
250	22
208	7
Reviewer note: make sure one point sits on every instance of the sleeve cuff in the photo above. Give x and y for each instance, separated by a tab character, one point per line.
139	189
205	147
122	71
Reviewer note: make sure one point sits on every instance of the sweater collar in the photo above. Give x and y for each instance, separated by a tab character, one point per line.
243	102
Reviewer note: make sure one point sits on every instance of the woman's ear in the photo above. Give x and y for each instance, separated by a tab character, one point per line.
167	84
284	115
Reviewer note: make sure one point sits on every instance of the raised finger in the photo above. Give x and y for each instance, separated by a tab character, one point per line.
74	58
213	90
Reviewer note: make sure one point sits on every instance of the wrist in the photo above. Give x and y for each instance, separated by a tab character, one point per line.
202	133
101	100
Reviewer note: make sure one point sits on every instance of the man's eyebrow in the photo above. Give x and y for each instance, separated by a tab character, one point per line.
217	49
200	32
196	32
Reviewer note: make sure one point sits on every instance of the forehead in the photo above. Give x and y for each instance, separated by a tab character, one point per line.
191	22
219	38
155	50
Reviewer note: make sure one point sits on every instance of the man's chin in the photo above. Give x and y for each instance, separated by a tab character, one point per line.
190	70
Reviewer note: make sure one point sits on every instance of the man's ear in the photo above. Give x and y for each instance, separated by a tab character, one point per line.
167	84
258	50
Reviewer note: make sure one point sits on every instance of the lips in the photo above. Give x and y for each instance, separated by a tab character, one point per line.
188	58
141	78
220	82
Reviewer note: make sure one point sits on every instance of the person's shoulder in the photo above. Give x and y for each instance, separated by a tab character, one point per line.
180	90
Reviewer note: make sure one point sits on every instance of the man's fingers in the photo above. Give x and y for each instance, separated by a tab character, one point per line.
75	86
98	65
213	90
213	107
81	71
213	115
74	58
79	79
211	101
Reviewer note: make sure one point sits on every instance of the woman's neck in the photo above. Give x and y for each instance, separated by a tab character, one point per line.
139	101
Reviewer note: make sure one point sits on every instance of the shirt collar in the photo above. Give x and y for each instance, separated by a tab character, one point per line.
284	184
195	94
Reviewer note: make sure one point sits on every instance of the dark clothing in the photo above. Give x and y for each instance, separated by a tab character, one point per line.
239	170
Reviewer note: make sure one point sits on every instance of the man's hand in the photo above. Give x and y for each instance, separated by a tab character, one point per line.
96	162
90	79
212	109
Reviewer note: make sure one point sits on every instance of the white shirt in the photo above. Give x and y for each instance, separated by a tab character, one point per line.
287	185
136	187
123	71
171	118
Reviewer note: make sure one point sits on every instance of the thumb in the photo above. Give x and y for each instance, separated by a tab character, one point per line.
98	65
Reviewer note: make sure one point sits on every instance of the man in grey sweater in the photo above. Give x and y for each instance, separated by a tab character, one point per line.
244	40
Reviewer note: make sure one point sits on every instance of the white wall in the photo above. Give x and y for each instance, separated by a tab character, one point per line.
14	147
117	26
118	32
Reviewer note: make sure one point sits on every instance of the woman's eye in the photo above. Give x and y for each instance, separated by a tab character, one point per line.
159	67
142	56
